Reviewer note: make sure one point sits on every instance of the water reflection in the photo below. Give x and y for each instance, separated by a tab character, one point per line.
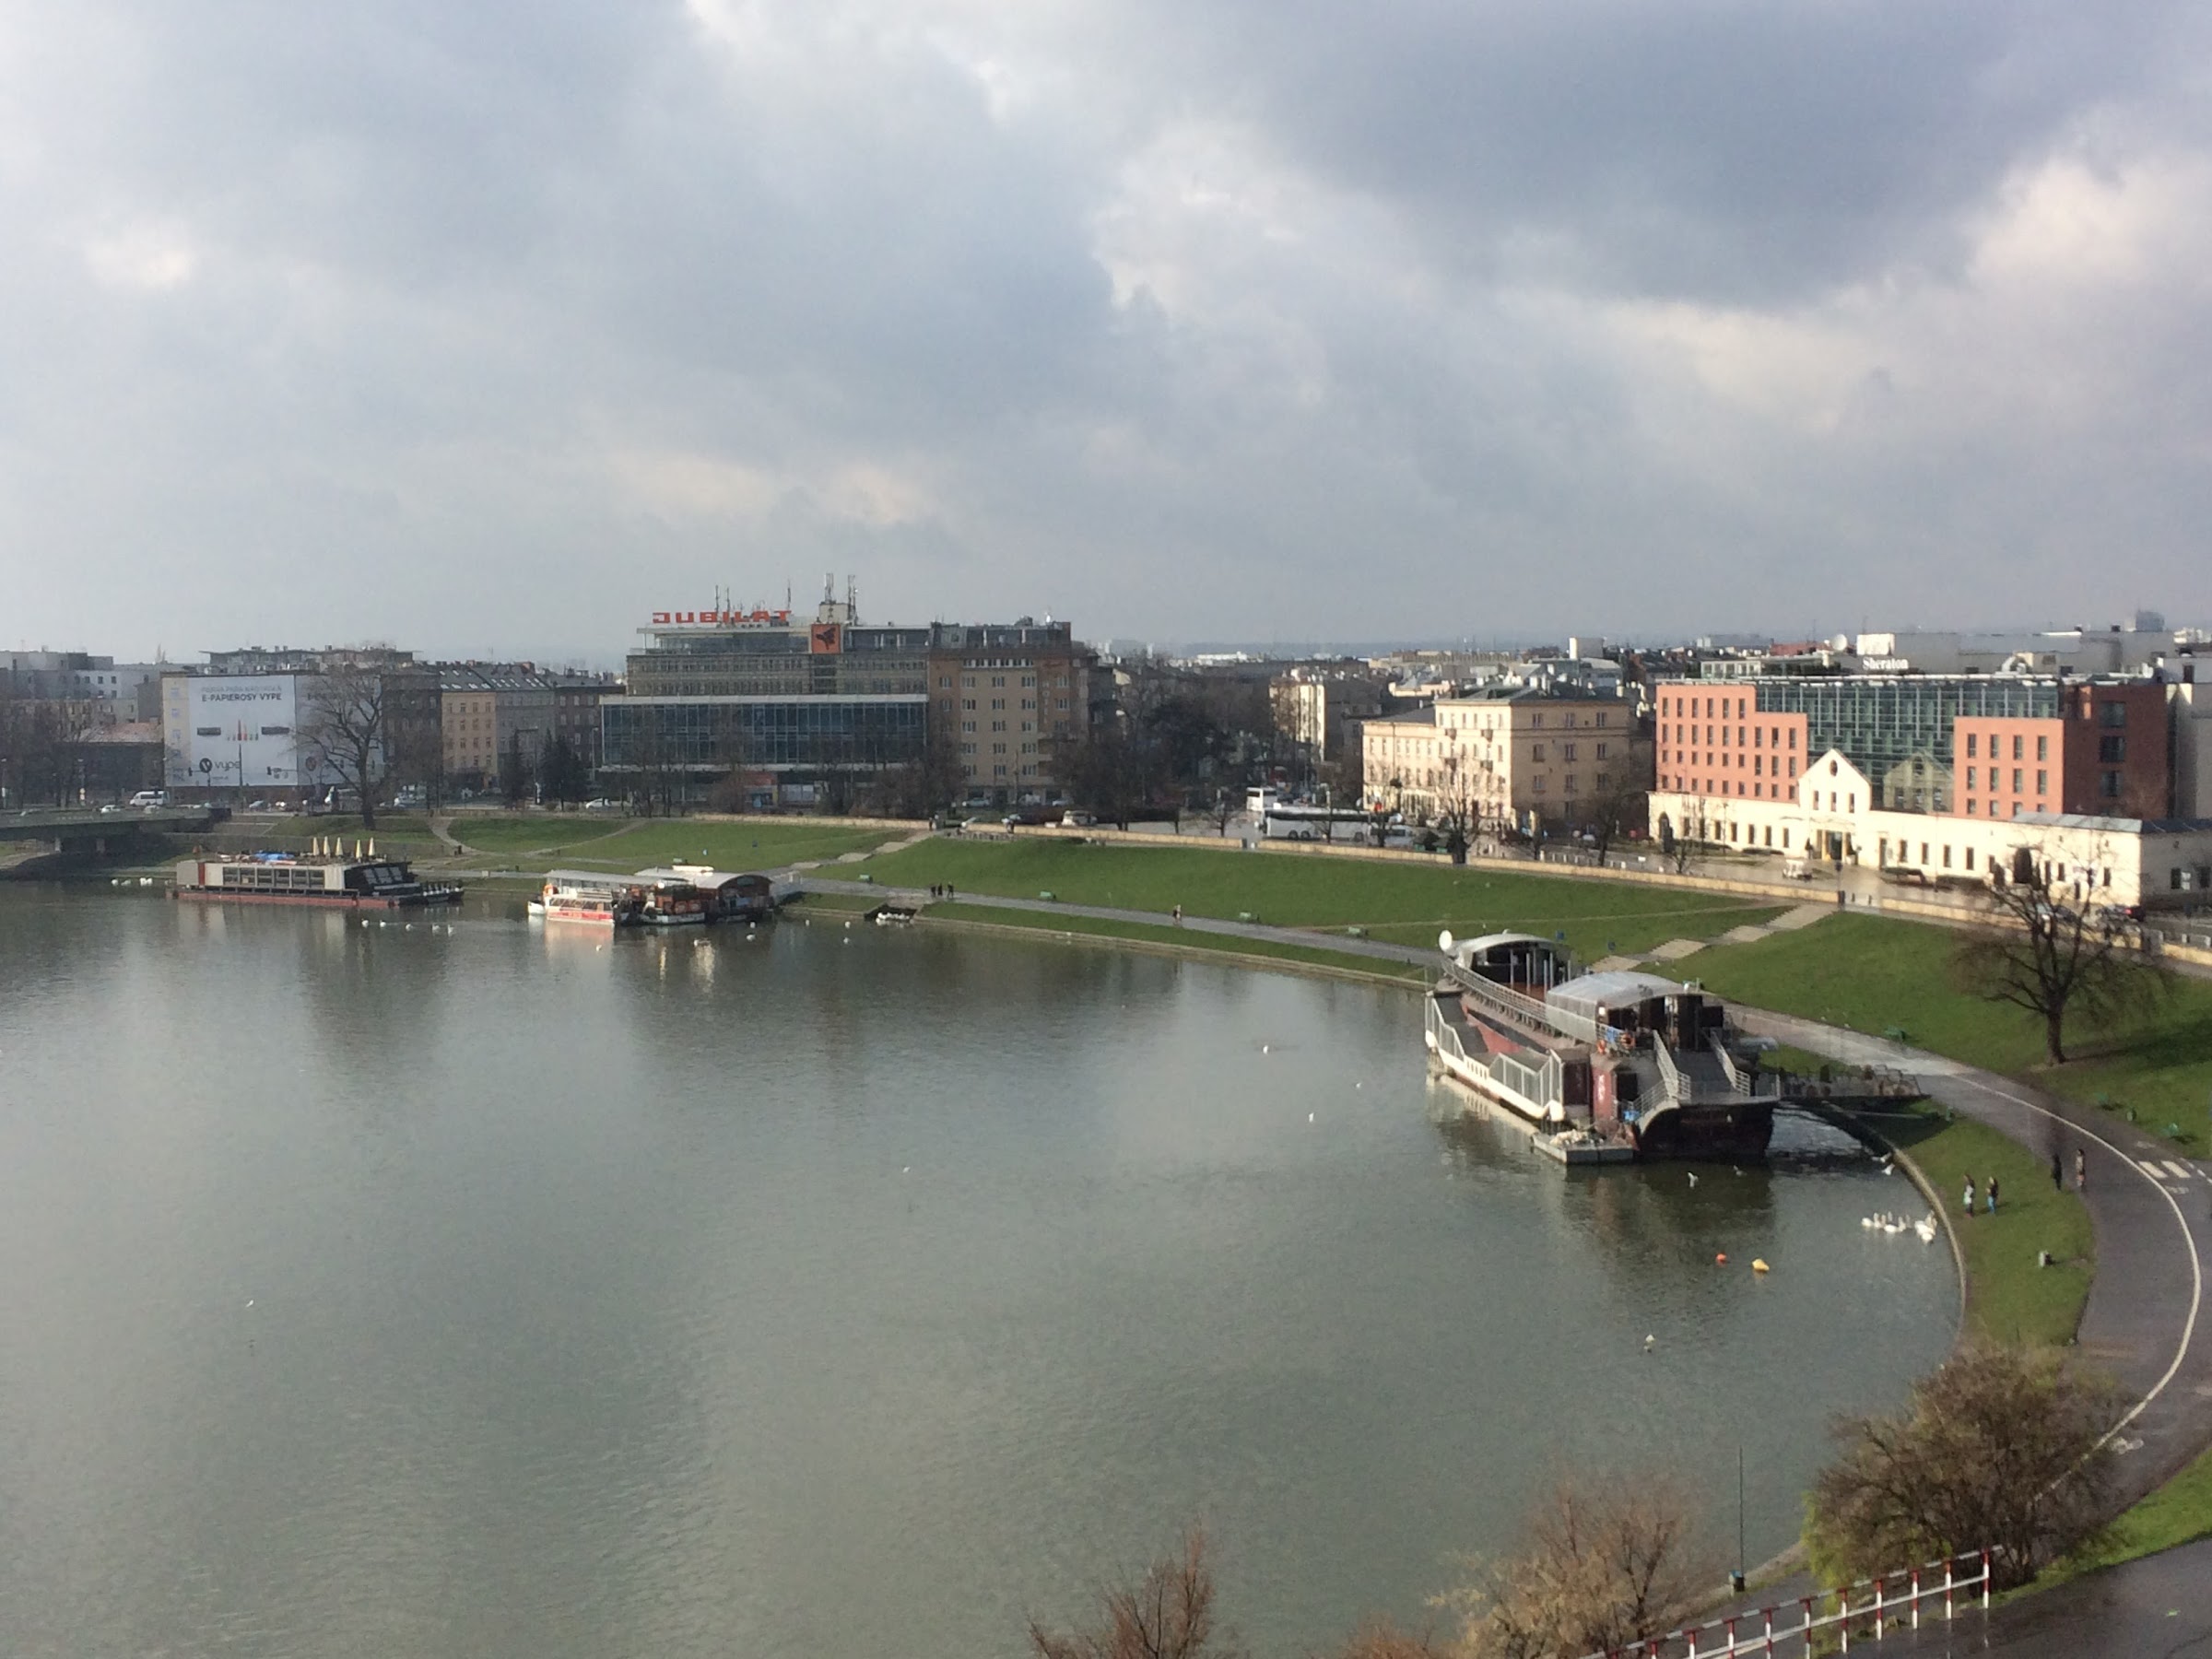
684	1295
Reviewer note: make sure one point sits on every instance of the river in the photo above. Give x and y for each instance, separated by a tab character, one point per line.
493	1291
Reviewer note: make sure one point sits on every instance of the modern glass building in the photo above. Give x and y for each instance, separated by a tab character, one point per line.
1895	728
800	712
715	735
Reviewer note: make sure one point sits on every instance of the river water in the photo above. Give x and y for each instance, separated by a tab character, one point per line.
495	1292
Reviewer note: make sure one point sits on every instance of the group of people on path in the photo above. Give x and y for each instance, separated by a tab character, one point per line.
940	889
2058	1181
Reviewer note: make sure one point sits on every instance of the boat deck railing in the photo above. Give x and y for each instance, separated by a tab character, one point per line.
1516	1005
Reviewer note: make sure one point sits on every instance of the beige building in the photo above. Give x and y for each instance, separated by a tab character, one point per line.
1509	757
1003	697
487	711
1830	818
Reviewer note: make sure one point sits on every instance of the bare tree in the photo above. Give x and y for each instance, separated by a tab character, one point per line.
345	721
2001	1447
1168	1614
1459	807
1619	801
1604	1566
2052	955
1382	1639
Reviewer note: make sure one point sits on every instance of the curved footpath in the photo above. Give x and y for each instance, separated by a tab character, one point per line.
2145	1320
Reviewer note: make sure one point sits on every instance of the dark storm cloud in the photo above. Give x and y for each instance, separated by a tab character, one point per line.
1715	147
482	326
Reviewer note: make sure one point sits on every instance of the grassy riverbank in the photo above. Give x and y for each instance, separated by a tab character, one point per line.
1406	903
1179	939
569	840
2009	1295
1876	975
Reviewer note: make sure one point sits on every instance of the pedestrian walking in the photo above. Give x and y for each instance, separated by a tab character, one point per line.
2081	1170
1992	1195
1970	1194
2058	1174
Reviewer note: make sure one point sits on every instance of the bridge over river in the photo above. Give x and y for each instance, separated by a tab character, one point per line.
89	829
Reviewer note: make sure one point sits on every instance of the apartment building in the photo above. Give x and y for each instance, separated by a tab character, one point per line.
1977	746
1941	777
1006	696
494	717
1517	757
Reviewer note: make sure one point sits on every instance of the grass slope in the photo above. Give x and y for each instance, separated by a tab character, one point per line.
1874	974
1407	904
488	833
1178	939
639	843
2010	1297
2177	1512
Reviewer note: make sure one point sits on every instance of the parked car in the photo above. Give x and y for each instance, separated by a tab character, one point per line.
603	804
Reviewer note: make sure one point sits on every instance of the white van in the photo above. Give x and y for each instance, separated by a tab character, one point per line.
146	800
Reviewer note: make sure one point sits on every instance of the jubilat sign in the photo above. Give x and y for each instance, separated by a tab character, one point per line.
721	618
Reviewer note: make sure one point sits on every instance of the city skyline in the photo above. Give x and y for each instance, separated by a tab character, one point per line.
489	333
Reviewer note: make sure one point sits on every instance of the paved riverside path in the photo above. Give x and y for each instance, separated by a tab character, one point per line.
2152	1216
2159	1606
1342	944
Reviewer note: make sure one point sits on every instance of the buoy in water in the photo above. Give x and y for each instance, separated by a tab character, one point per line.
1758	1265
1721	1260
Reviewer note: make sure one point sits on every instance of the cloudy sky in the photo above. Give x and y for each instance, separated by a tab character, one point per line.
494	326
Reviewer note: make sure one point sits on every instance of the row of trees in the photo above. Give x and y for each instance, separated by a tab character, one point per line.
372	732
41	746
2001	1448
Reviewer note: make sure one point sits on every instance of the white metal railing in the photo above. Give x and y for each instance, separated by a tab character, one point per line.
1738	1080
1875	1607
1670	1075
1515	1005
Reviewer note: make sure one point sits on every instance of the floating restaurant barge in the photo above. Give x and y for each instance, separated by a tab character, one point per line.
678	895
330	880
1602	1067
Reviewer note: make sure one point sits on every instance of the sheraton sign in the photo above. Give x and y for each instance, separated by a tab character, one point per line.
721	618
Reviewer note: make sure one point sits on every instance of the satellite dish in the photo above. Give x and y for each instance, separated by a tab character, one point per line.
1444	941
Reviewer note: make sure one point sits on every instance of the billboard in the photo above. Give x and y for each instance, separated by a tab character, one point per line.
236	731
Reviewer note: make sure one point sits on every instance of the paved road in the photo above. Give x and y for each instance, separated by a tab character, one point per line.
2152	1213
2149	1609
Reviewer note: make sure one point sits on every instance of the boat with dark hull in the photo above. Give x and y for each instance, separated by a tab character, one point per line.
1602	1067
330	881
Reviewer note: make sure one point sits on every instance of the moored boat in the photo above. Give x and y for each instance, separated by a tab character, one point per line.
368	883
1625	1060
585	896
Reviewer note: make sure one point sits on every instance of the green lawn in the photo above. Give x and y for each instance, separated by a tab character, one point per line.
400	834
639	843
2175	1513
491	832
2010	1296
1179	937
1405	904
1876	974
